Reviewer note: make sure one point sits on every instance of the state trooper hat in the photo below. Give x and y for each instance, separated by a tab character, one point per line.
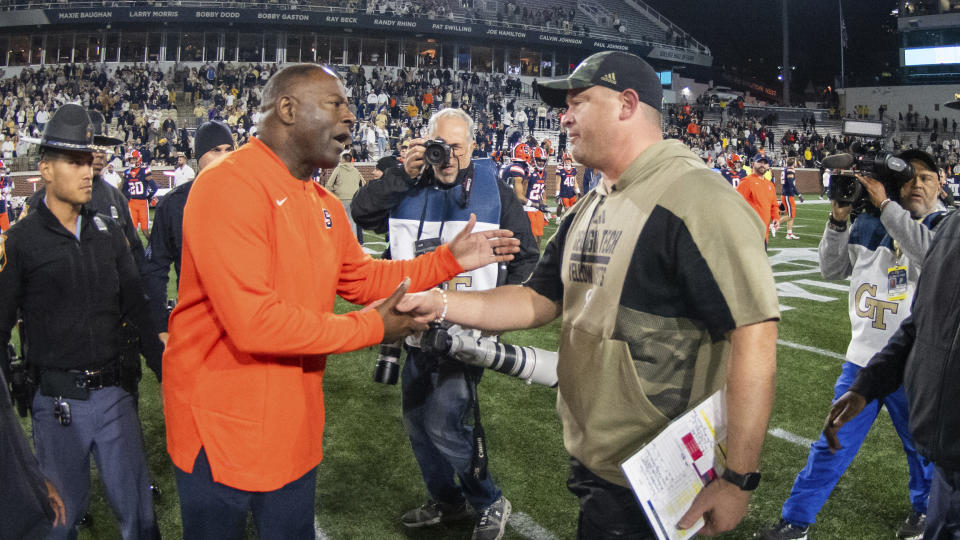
97	122
69	130
613	69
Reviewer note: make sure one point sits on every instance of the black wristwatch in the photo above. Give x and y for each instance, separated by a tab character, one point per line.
836	225
746	482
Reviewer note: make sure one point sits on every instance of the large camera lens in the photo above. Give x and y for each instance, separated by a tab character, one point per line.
436	153
387	370
845	188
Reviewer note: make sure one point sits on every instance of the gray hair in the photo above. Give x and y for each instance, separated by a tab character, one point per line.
455	113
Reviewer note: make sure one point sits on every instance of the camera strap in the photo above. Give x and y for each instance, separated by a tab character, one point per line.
478	463
423	215
466	187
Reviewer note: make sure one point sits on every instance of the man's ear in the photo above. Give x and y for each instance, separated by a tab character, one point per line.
629	104
46	168
286	109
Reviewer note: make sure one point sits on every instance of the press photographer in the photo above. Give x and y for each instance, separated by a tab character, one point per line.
881	253
424	202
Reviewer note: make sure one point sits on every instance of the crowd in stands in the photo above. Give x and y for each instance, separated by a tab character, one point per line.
746	135
430	9
138	96
392	105
741	133
511	12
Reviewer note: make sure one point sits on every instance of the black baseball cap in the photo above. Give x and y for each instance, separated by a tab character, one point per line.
613	69
914	154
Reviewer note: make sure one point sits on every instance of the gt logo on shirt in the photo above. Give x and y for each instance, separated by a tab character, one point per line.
456	283
873	308
326	218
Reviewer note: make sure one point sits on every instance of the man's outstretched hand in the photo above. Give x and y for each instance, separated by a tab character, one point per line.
477	249
396	325
844	409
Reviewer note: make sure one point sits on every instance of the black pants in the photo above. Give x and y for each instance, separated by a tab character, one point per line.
607	511
943	512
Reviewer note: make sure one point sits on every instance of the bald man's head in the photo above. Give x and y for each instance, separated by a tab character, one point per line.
286	82
305	117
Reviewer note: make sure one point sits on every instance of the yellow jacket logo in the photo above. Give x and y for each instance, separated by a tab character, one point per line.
609	78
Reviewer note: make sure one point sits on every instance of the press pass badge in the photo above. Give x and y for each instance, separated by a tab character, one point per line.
896	283
426	245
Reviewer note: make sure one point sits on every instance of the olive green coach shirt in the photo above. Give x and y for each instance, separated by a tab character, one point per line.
653	275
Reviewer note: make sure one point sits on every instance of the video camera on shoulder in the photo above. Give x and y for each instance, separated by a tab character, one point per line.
866	159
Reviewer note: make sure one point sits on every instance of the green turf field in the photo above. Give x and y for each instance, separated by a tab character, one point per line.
369	477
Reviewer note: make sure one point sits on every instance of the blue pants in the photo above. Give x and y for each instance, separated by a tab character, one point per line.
943	515
437	411
216	511
817	480
107	426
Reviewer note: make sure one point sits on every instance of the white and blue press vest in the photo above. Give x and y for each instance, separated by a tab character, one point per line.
440	209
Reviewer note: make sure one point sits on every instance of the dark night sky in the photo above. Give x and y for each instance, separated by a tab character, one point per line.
746	35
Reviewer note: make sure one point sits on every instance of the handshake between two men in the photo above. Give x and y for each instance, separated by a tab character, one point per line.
472	250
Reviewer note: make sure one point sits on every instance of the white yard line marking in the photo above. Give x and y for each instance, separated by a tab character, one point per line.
823	285
317	531
528	528
787	289
784	308
796	272
791	437
822	352
802	264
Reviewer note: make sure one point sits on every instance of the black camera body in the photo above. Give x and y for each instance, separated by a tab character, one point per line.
887	168
436	152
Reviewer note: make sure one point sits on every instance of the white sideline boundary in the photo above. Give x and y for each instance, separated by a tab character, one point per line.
317	531
791	437
528	528
816	350
782	433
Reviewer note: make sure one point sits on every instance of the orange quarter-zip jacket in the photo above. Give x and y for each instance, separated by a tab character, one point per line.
264	255
762	196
